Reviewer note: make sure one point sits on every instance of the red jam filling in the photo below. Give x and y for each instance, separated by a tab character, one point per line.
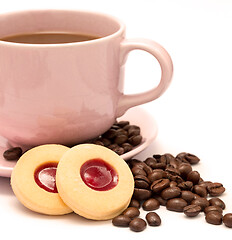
45	177
99	175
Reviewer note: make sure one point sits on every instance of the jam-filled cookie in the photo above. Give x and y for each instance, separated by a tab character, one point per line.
94	181
33	180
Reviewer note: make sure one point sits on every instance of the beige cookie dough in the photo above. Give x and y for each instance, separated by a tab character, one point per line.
85	201
27	190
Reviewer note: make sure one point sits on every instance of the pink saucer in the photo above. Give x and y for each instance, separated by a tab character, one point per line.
136	115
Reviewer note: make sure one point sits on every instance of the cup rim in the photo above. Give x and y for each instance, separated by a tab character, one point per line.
50	45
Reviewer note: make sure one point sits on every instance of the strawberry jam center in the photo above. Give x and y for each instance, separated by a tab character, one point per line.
99	175
45	177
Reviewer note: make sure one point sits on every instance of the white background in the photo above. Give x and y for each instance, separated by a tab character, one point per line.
194	115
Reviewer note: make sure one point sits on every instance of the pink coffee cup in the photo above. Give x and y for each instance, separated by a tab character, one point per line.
70	92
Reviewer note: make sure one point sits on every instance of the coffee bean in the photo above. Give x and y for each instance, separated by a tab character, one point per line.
110	134
202	202
170	192
156	174
160	199
227	220
141	181
118	150
159	185
137	225
217	202
135	140
153	219
151	204
133	132
192	210
215	189
12	154
127	147
123	123
173	184
188	196
194	177
204	184
131	212
120	139
134	203
138	171
187	185
121	221
176	204
141	194
192	159
214	217
151	162
200	190
212	208
184	169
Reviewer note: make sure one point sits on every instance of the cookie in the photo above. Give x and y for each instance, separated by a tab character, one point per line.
33	180
94	181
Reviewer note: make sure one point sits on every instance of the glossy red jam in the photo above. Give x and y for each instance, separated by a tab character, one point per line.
45	177
99	175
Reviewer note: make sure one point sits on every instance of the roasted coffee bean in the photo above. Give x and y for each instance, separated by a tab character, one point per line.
12	154
200	190
215	189
192	159
188	196
106	142
156	174
133	132
141	194
110	134
118	150
151	204
227	220
217	202
194	177
176	204
141	181
123	123
153	219
147	169
135	140
170	192
134	203
212	208
161	200
120	139
137	225
214	217
151	162
187	185
202	202
120	132
159	185
173	184
121	221
138	171
184	169
192	210
204	184
131	212
127	147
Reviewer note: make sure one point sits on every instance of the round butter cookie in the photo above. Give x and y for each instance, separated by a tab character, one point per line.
94	181
33	180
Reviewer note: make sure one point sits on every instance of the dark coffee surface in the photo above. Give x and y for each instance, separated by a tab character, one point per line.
48	38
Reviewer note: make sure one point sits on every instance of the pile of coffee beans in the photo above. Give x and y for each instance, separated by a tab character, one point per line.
170	181
122	137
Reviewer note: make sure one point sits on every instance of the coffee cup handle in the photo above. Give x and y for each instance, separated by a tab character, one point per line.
128	101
